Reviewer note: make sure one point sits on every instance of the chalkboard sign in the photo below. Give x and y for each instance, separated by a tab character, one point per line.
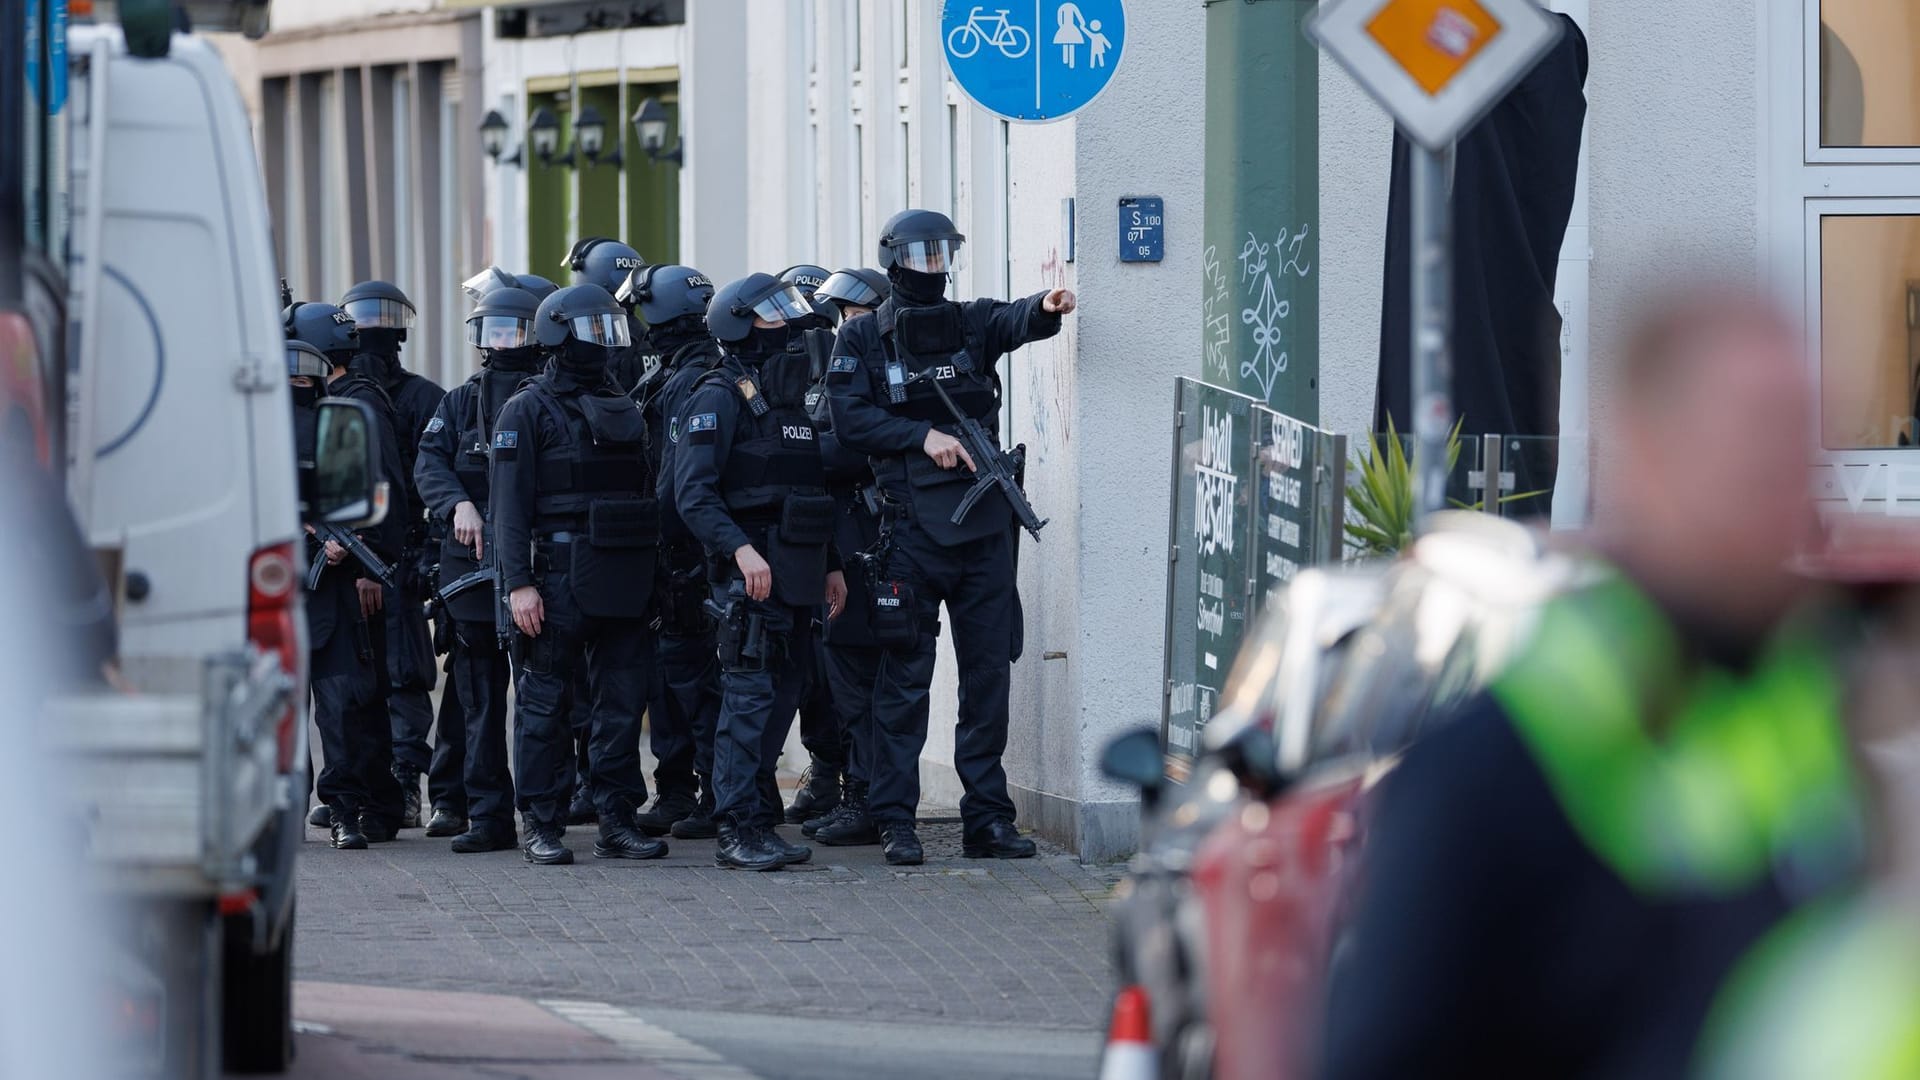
1143	229
1209	586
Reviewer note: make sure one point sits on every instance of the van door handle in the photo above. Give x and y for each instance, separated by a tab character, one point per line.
138	585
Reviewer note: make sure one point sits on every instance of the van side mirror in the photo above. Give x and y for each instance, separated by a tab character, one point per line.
340	487
1135	758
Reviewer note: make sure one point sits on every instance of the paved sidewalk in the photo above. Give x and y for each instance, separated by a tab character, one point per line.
957	941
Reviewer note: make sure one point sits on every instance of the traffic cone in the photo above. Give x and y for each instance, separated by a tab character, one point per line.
1130	1054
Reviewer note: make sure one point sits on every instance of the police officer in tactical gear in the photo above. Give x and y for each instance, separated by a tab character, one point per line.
820	731
597	260
345	634
849	657
577	528
452	477
885	406
383	315
748	483
672	300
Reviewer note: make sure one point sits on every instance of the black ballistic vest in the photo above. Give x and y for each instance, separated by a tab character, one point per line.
595	486
774	480
942	342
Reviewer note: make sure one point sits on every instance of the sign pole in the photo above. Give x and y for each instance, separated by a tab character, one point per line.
1432	228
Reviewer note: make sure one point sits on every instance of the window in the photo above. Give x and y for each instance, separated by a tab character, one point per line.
1843	154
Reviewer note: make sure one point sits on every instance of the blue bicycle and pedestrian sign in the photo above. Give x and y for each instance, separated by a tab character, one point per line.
1033	60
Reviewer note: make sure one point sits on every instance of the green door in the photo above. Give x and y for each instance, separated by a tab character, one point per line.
653	188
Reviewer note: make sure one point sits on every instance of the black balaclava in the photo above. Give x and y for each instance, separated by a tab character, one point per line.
675	334
582	364
915	289
524	360
306	422
761	343
307	398
380	354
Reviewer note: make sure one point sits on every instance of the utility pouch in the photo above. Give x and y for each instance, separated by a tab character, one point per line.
807	519
732	637
624	523
613	419
895	619
612	571
537	655
930	333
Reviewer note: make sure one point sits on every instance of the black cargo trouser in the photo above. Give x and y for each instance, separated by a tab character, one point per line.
480	678
975	581
682	729
446	787
350	711
821	730
851	672
756	712
612	656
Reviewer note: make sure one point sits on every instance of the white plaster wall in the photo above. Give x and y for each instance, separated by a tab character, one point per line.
1356	165
713	110
1673	143
1138	330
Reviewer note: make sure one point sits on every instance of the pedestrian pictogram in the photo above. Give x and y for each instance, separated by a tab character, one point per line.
1436	65
1033	60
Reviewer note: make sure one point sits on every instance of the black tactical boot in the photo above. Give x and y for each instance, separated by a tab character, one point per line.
791	854
446	823
850	826
998	840
699	825
900	845
668	807
581	811
346	830
377	829
812	826
819	793
485	836
620	840
409	797
746	848
542	845
320	817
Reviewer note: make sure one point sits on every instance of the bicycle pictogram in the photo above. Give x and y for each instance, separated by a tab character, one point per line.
966	39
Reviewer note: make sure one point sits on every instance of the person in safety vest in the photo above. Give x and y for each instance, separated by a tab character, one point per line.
1559	880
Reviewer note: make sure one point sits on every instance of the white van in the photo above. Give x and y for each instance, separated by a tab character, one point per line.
192	778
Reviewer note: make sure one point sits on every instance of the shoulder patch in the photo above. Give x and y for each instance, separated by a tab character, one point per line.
506	440
435	425
844	363
673	430
703	422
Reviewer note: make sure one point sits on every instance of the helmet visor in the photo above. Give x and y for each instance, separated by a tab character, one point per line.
846	288
375	313
499	332
484	282
784	306
608	330
306	362
628	294
930	256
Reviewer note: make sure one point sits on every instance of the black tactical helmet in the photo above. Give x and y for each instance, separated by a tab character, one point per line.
540	287
805	277
585	313
378	305
666	292
859	286
326	328
305	360
503	320
599	261
924	241
730	316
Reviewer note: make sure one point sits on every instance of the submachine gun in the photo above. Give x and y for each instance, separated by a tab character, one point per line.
996	468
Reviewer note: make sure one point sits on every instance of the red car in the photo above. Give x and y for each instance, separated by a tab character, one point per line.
1311	721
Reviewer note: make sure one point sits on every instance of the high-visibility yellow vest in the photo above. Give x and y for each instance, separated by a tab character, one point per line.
1832	994
1685	778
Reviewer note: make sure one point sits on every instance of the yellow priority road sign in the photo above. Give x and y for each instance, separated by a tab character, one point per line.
1436	66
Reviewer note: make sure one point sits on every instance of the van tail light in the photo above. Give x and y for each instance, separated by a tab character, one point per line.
271	583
